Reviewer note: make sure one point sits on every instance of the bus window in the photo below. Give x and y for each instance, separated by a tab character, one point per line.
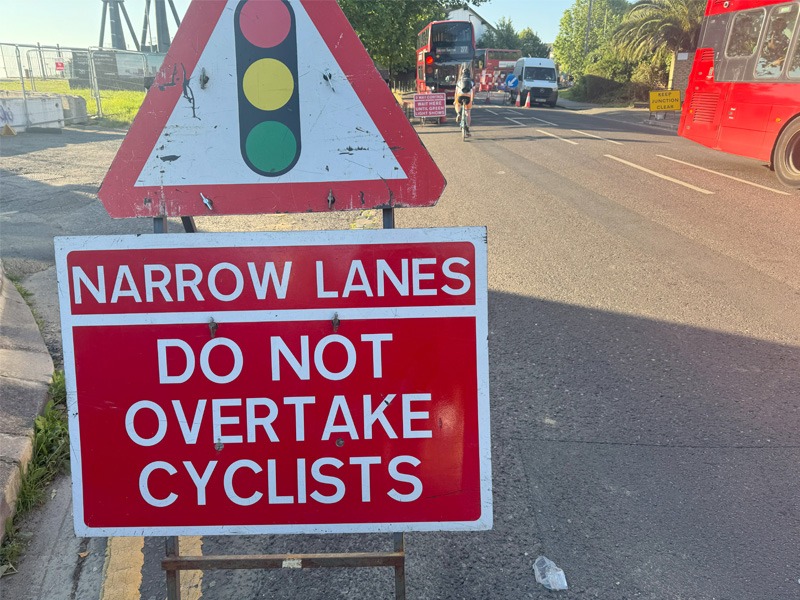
422	39
794	65
451	32
776	43
714	31
744	34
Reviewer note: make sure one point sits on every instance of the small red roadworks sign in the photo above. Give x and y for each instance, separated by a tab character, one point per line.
305	382
265	106
430	105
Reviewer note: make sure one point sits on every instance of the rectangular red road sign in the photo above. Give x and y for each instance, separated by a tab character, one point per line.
304	382
430	105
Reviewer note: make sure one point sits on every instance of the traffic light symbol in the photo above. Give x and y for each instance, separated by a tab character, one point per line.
269	101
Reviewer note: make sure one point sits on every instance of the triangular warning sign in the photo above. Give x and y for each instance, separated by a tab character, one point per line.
265	106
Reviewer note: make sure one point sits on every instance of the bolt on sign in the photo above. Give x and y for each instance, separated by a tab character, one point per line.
294	382
265	106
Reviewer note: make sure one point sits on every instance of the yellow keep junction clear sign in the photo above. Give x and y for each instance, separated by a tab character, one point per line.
663	100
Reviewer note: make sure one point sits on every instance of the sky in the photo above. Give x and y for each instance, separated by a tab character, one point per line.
543	16
76	23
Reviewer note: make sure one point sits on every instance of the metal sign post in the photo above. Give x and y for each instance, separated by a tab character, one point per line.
174	563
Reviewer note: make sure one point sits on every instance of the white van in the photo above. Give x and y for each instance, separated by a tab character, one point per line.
539	78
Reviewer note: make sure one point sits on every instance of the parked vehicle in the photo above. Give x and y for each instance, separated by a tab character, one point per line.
744	88
539	78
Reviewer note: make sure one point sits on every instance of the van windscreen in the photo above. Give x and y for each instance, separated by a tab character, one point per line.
540	74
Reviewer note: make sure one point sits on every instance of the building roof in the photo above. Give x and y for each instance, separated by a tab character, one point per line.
476	15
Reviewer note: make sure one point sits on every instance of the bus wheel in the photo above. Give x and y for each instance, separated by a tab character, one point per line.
787	155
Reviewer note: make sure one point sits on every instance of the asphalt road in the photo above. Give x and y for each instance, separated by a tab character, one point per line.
644	345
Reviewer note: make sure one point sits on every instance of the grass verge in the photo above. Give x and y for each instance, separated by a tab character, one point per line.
119	106
50	458
27	296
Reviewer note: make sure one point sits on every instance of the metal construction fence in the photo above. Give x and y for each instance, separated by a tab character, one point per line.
87	83
100	76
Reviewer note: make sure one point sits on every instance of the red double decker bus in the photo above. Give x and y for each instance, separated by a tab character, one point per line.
744	89
493	65
441	47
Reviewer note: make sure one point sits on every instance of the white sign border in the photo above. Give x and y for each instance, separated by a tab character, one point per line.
477	236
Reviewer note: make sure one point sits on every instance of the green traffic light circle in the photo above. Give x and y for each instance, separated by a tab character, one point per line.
271	147
268	84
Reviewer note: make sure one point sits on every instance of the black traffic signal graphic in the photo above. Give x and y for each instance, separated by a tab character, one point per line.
269	102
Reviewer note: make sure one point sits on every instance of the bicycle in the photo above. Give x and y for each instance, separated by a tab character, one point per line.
465	117
511	97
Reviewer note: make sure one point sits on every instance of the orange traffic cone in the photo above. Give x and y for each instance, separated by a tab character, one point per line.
528	101
518	100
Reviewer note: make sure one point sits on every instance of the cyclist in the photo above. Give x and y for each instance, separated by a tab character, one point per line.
464	95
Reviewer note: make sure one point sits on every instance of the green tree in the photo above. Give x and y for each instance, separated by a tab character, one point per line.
388	28
505	36
502	36
532	45
607	62
487	40
656	27
573	44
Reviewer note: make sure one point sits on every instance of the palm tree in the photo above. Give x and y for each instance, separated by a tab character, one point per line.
654	27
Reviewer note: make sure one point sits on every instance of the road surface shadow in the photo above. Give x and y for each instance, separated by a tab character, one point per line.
26	142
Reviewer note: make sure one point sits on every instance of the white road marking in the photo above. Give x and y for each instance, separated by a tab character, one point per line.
543	121
557	137
763	187
517	122
597	137
524	116
489	110
665	177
